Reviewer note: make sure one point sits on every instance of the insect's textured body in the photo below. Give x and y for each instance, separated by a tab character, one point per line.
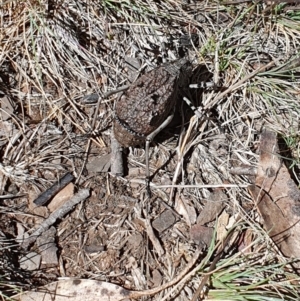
149	101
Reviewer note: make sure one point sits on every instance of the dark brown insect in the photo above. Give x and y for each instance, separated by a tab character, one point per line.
149	101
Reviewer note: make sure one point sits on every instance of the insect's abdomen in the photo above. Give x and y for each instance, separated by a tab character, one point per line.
146	104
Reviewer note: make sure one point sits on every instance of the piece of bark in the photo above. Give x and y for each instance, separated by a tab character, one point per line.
91	98
64	195
7	108
201	235
155	241
21	234
30	261
45	197
116	160
185	208
222	226
244	170
274	221
47	247
74	289
164	221
213	207
93	248
277	197
101	164
156	278
57	214
135	241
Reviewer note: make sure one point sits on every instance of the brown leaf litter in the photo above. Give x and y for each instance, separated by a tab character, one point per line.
277	197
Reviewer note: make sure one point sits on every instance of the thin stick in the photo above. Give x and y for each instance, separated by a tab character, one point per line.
54	216
116	167
203	186
148	141
123	88
138	181
180	276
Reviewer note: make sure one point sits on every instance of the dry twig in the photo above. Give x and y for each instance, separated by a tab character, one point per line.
179	277
54	216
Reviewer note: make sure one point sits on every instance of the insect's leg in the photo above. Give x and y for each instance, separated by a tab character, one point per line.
148	141
197	111
203	85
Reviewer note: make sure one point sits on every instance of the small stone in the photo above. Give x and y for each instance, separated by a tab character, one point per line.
165	220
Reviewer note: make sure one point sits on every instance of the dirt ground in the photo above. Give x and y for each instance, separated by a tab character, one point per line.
55	119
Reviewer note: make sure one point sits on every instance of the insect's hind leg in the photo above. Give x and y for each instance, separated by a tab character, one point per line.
149	138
